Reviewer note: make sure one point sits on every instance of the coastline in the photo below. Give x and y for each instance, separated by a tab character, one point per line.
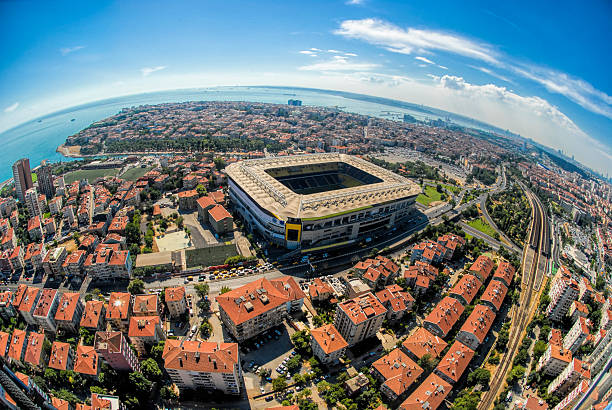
72	151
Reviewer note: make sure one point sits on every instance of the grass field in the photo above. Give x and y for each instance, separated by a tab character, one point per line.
209	256
89	174
429	195
454	189
133	174
482	225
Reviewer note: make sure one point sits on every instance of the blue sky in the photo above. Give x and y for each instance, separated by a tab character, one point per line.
540	69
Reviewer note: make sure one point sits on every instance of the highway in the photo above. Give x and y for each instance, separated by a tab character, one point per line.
533	267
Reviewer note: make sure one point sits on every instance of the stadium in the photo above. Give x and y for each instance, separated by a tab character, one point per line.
309	201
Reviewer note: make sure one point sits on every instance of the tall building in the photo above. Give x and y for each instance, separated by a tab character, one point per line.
327	343
45	180
22	177
113	347
359	318
31	201
562	293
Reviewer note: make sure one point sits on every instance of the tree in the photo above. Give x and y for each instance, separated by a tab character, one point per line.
205	329
427	363
466	400
201	189
219	163
142	386
136	287
515	374
279	384
167	393
157	351
225	289
479	376
150	369
294	363
301	341
201	289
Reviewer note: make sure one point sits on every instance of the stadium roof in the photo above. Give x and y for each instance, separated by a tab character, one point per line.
272	195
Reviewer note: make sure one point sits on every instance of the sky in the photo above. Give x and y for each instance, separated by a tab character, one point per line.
540	69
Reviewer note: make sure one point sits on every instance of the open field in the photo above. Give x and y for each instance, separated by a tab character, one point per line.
453	188
482	226
429	195
209	256
133	174
89	174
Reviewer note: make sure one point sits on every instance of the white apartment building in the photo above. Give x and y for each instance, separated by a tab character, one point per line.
176	301
562	293
359	318
327	344
44	314
577	335
207	365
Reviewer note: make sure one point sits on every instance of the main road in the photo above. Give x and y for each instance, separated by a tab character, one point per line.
533	267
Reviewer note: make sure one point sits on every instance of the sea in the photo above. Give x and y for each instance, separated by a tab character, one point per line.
38	139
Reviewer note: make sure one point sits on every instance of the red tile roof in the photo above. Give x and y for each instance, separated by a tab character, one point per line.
328	337
86	360
423	342
258	296
118	305
219	213
60	352
67	306
91	313
479	322
29	297
44	302
398	370
495	293
445	314
145	305
456	360
34	348
195	356
4	343
362	308
143	326
429	395
467	287
174	294
17	342
482	266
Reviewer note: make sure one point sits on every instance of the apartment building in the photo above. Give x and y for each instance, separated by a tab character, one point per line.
554	360
118	310
466	289
258	306
574	372
187	199
444	316
54	260
69	312
476	327
206	365
320	291
108	263
577	335
494	295
429	395
455	361
73	263
422	342
93	315
35	354
359	318
45	310
7	310
61	357
377	272
145	305
396	373
176	301
452	243
17	345
563	292
577	309
504	273
397	301
220	220
28	303
327	344
114	349
87	361
482	267
420	276
145	331
429	251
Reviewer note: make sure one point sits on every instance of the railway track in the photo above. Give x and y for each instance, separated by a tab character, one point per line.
529	290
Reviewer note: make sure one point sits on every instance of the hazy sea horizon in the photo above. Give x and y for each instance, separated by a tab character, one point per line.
38	139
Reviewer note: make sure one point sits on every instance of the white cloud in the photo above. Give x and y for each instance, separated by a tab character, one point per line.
355	2
492	73
334	51
339	63
575	89
411	40
315	49
350	54
443	67
425	60
146	71
67	50
11	107
308	53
